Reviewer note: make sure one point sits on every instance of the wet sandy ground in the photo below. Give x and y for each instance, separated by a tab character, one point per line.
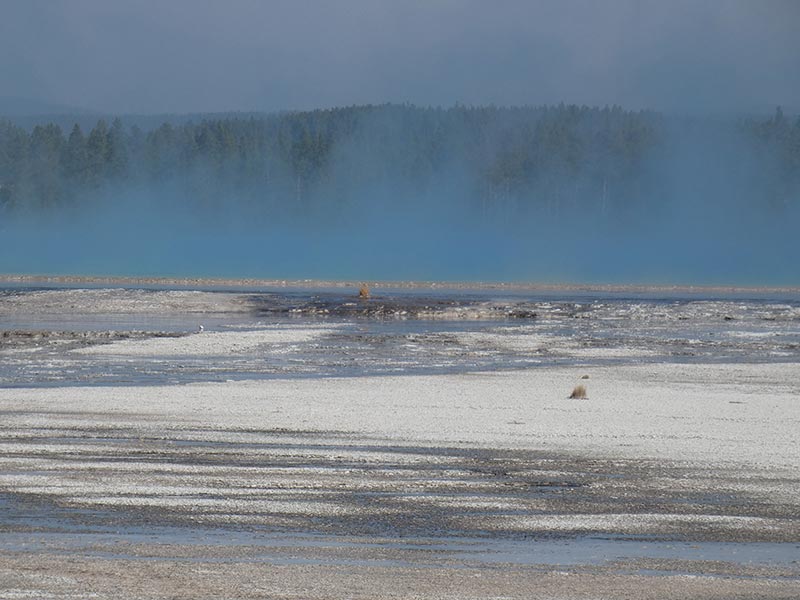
74	577
670	482
66	337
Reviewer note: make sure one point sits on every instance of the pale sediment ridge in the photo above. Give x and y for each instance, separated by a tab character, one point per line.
741	414
210	344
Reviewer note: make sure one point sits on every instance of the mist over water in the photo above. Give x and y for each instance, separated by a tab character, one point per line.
702	211
700	226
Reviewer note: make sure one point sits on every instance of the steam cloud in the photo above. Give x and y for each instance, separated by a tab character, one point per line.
705	211
702	208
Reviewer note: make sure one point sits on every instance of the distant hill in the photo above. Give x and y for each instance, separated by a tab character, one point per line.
13	106
88	119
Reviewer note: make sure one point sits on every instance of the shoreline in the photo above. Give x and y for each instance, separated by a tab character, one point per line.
669	481
246	283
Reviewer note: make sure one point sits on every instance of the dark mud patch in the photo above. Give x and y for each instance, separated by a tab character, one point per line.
405	306
34	526
70	340
335	484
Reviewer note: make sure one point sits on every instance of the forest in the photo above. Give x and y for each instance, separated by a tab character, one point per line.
503	162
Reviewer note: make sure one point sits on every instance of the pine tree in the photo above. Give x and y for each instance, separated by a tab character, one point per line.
97	154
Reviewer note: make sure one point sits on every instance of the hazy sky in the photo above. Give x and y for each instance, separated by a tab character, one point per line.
154	56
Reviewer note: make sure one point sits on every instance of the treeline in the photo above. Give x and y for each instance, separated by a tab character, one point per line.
502	160
778	140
